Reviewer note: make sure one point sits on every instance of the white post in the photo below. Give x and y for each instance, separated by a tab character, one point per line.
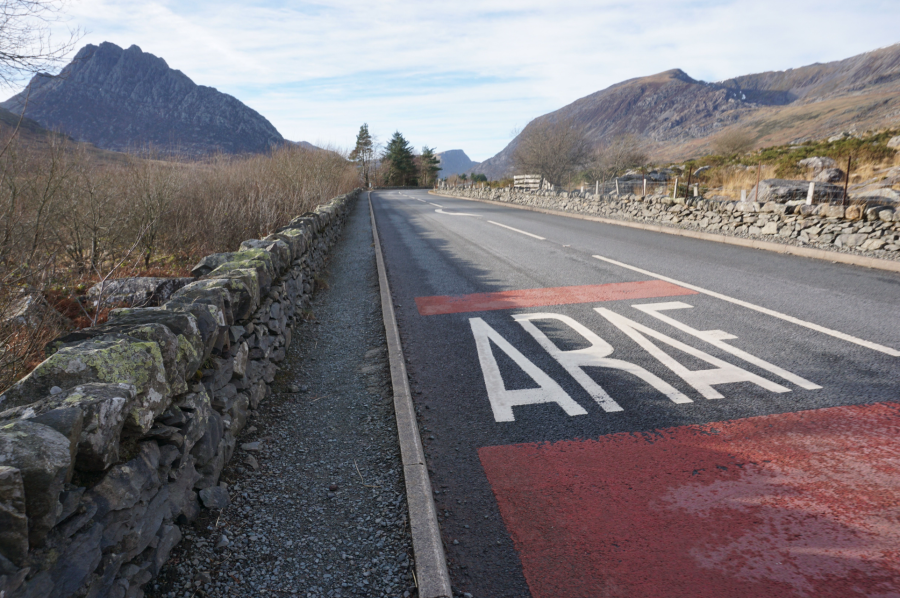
645	188
597	188
617	187
696	190
809	194
582	187
743	195
675	190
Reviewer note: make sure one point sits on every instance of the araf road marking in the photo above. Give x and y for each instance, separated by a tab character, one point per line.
517	230
715	338
503	400
702	380
589	293
597	355
440	211
764	310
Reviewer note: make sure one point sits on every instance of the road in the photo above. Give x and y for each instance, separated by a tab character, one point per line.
615	412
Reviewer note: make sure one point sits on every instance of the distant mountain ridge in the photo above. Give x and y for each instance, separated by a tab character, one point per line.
677	116
129	99
454	161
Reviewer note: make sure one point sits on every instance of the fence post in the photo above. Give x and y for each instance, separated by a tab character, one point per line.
675	190
743	195
645	188
758	172
847	180
696	190
810	194
617	187
597	188
687	188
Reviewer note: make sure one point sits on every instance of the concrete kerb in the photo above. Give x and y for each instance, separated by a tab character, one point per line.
432	577
819	254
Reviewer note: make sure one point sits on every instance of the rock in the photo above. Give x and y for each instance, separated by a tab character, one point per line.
124	485
818	163
250	446
68	422
111	360
782	191
770	228
835	211
215	497
240	360
839	137
32	310
13	520
894	142
252	462
829	175
887	215
43	457
850	240
854	212
136	292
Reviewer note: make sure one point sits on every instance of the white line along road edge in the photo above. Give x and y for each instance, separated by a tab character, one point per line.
517	230
432	577
764	310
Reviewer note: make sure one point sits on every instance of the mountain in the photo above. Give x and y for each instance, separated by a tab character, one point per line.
129	99
677	116
454	162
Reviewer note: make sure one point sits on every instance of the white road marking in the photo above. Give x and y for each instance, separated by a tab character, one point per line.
503	400
715	338
437	205
702	380
422	200
597	355
517	230
455	213
764	310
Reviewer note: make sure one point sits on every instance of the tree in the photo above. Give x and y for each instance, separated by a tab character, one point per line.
429	165
621	153
479	178
364	152
552	149
400	167
26	46
733	142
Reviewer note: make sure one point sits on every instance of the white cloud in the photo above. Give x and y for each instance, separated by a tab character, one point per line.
463	74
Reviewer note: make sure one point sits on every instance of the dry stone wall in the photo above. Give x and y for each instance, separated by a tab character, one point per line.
857	228
121	434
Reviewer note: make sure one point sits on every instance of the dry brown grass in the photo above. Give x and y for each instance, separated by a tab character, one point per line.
729	182
69	216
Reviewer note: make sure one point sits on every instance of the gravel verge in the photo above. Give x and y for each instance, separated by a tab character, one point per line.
317	499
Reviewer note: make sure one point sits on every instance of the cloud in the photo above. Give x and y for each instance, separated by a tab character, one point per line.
463	74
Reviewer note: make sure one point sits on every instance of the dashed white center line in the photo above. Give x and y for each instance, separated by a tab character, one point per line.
759	308
517	230
436	205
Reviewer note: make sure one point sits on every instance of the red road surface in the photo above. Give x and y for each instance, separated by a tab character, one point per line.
445	304
797	504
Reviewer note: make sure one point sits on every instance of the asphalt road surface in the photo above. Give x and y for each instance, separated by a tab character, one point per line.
613	412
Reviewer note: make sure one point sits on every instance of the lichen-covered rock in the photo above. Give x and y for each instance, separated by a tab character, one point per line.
296	238
243	285
13	520
141	291
277	248
42	456
122	360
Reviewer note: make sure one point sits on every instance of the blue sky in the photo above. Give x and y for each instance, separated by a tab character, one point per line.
465	75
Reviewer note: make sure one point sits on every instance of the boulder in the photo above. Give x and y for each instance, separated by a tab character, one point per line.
783	191
13	519
818	163
214	497
43	457
829	175
137	291
242	283
30	309
894	142
850	240
122	360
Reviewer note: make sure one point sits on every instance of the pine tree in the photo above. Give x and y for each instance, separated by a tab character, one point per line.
364	152
401	167
429	165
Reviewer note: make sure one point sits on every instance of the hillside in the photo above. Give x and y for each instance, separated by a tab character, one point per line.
677	116
129	99
454	162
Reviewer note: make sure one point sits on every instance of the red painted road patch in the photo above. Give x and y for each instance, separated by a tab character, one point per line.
798	504
448	304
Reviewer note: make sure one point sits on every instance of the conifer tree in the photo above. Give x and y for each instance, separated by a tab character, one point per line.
400	164
429	165
364	152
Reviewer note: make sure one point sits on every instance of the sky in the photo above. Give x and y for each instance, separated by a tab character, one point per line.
466	75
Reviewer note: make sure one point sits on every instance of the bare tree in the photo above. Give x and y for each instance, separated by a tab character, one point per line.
26	44
555	150
734	141
613	158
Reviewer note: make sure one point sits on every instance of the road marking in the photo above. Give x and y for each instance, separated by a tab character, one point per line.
597	355
422	200
764	310
518	231
701	380
715	338
616	291
794	504
439	211
437	205
502	400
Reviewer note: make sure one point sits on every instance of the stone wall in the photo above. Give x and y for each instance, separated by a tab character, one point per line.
871	230
120	435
